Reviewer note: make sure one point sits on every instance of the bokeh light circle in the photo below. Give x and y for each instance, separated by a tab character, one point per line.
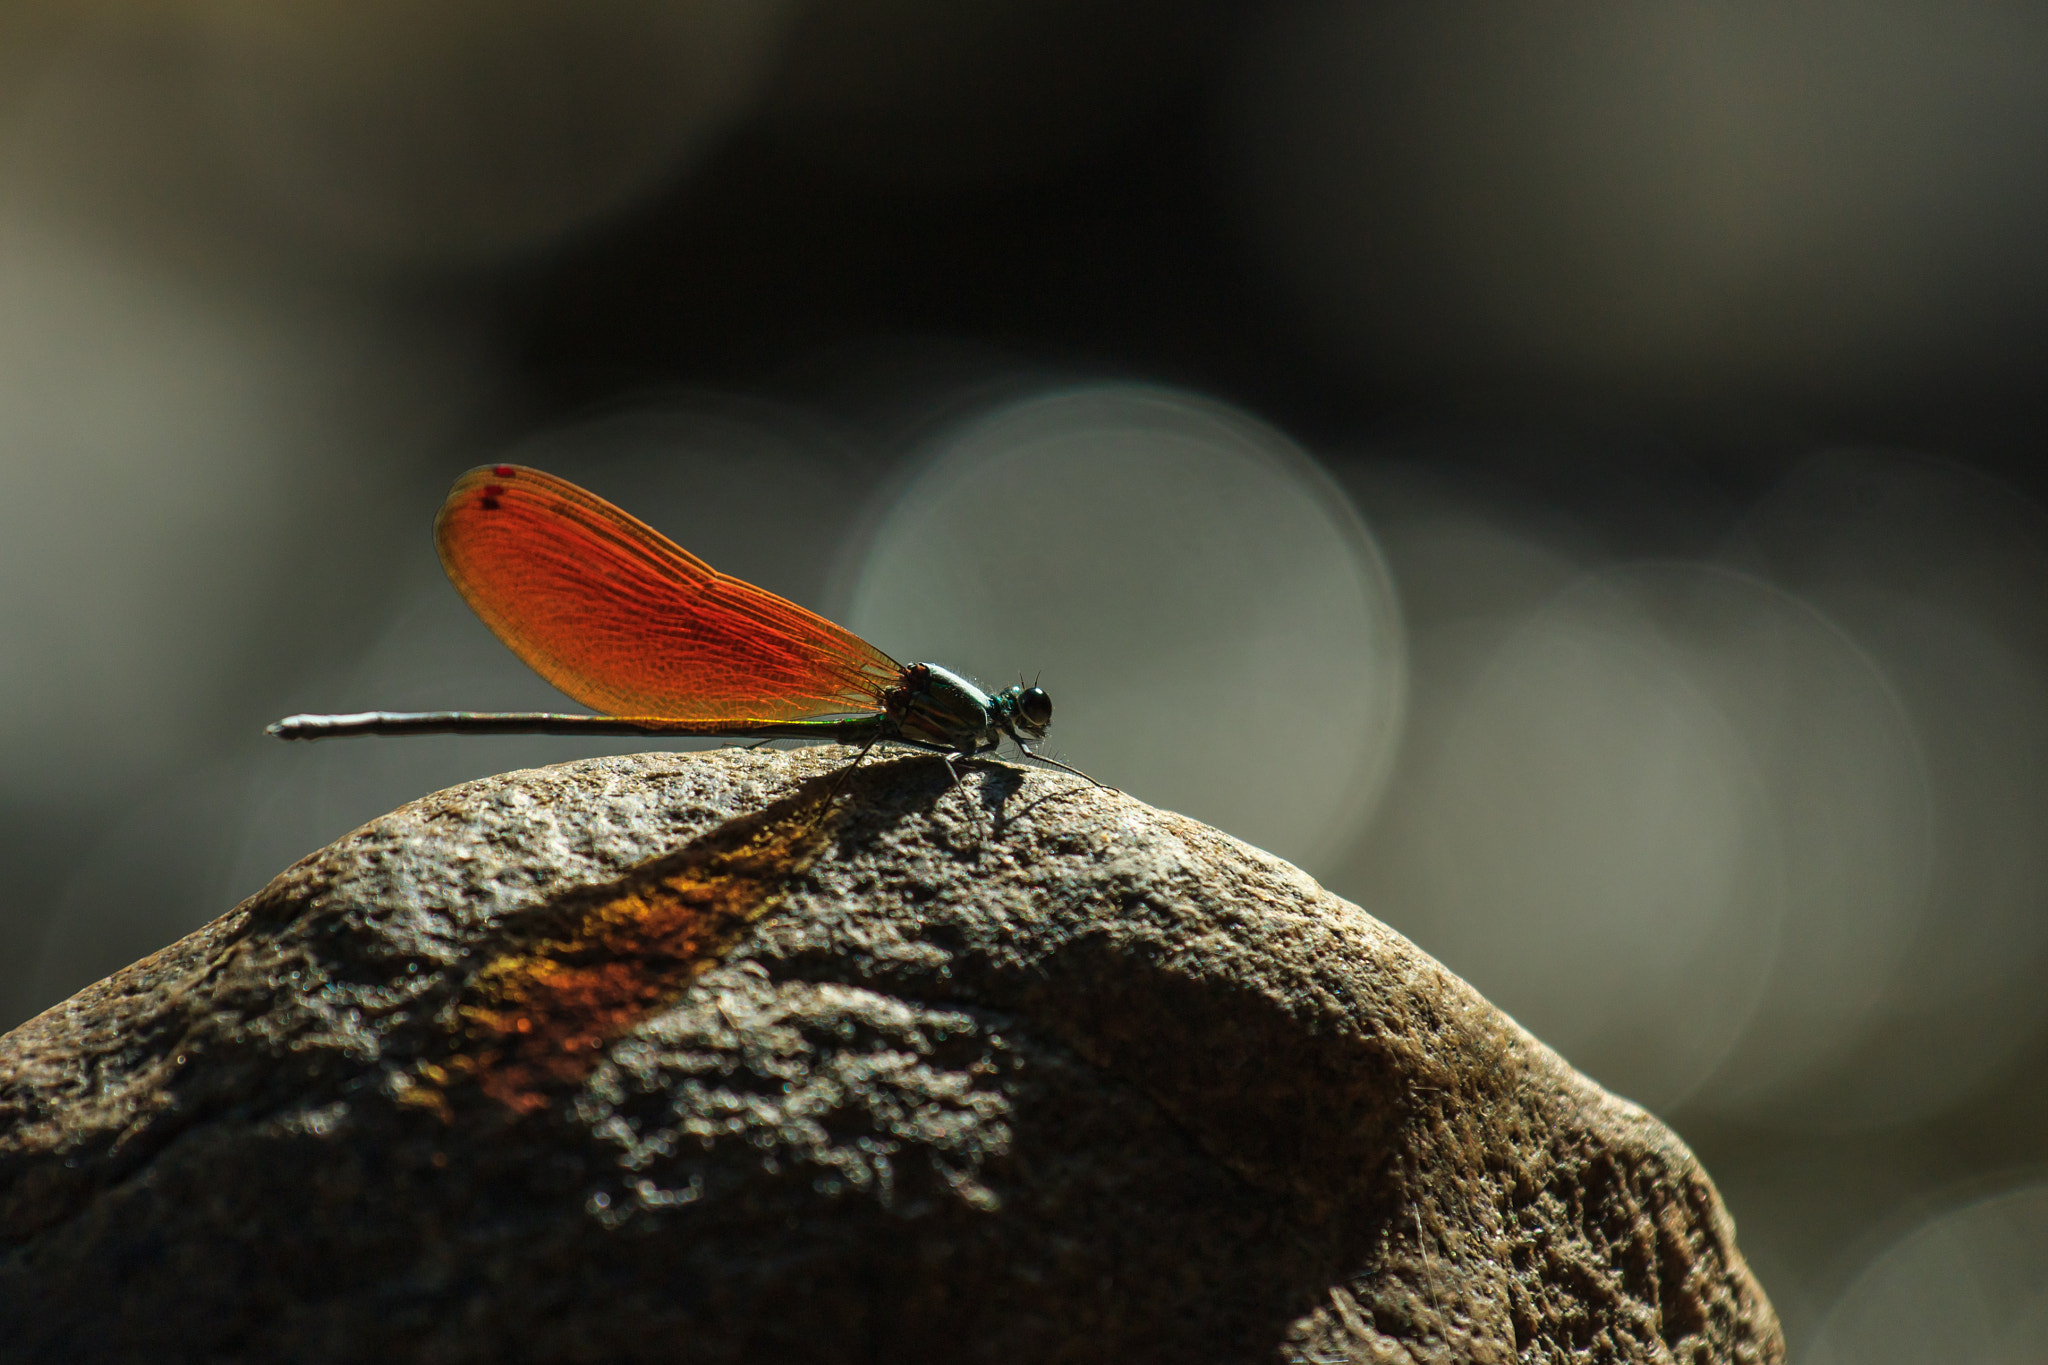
1935	572
1968	1287
1852	821
1213	621
1591	842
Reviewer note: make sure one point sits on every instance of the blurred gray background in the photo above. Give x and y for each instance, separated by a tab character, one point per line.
1570	475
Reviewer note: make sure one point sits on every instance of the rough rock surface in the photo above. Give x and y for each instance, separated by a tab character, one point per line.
667	1058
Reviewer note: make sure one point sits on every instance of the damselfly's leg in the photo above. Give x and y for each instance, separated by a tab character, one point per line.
1030	753
946	756
839	778
960	785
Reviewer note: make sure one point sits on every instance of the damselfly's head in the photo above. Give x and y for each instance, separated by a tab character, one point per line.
1028	709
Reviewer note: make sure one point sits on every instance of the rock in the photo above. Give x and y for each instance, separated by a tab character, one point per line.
690	1056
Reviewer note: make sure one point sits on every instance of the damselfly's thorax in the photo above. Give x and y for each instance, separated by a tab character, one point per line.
936	706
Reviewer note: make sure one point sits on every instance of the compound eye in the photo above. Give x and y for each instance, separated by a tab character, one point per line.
1034	708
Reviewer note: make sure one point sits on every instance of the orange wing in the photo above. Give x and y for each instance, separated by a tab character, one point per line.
629	623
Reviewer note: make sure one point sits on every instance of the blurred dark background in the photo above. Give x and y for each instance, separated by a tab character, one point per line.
1569	475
